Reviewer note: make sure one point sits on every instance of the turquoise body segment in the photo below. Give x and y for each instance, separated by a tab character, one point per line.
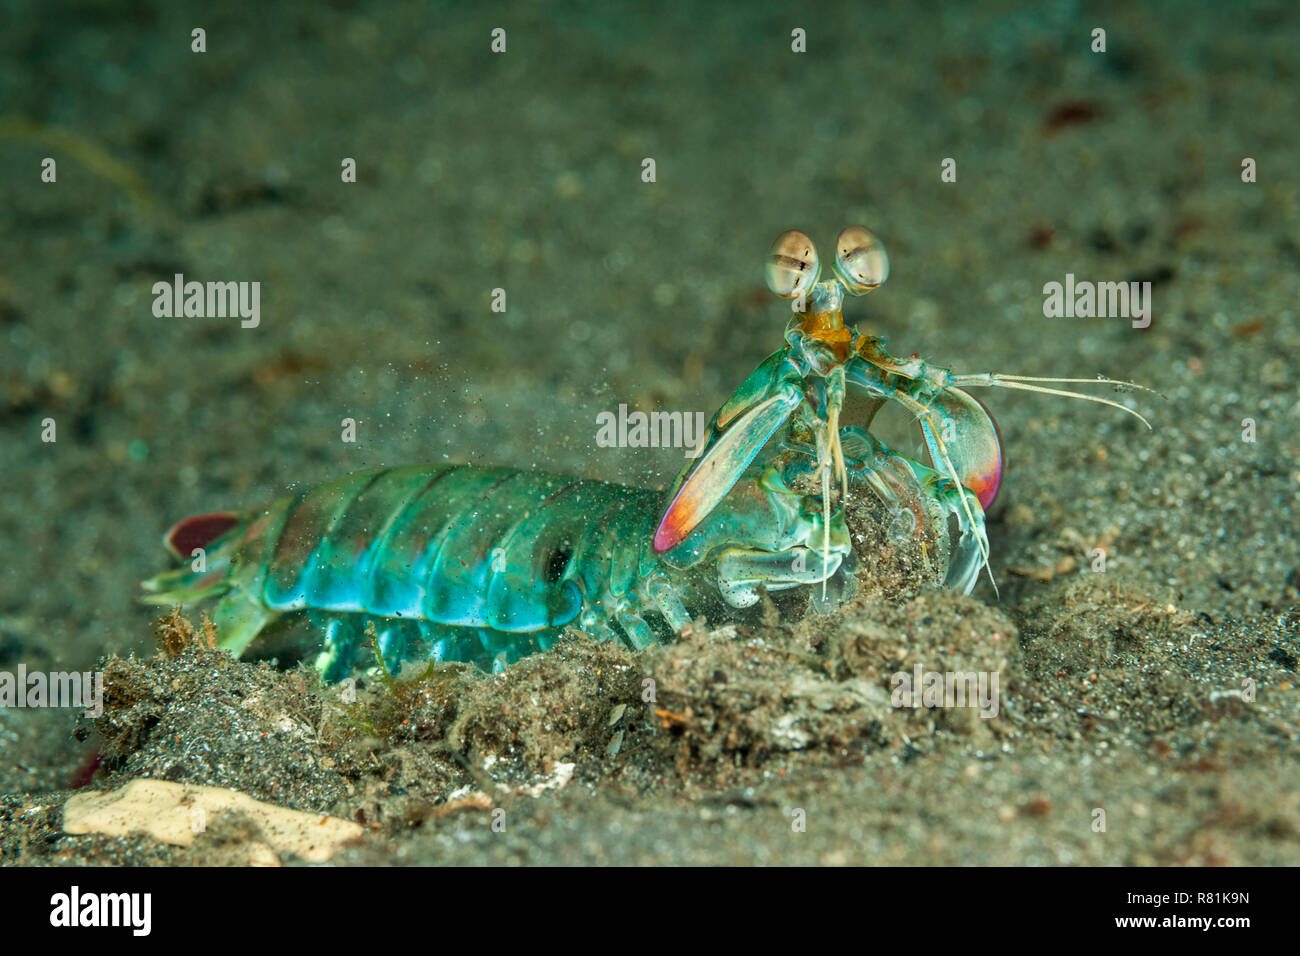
450	563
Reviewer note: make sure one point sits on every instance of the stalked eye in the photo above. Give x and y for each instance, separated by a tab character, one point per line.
861	262
792	265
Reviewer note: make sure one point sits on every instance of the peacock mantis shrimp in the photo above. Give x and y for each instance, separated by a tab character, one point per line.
487	565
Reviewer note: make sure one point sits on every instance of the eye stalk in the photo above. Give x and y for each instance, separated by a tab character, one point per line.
792	265
861	263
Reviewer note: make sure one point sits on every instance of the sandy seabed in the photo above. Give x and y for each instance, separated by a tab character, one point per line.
1160	690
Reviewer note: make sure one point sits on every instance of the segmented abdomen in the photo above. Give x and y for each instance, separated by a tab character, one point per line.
512	551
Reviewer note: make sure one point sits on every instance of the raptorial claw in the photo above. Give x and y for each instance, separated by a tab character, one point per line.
973	444
722	465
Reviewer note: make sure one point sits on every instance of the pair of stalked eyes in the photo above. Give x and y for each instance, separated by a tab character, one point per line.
861	263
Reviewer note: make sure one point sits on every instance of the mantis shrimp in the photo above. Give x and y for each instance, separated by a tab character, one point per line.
487	565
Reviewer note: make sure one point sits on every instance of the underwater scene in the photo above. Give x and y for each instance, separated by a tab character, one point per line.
837	434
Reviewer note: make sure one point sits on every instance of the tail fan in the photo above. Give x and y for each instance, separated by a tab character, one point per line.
205	574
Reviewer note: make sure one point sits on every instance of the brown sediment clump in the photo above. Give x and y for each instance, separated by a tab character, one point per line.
898	550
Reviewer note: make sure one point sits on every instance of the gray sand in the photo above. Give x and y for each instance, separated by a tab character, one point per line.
522	171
